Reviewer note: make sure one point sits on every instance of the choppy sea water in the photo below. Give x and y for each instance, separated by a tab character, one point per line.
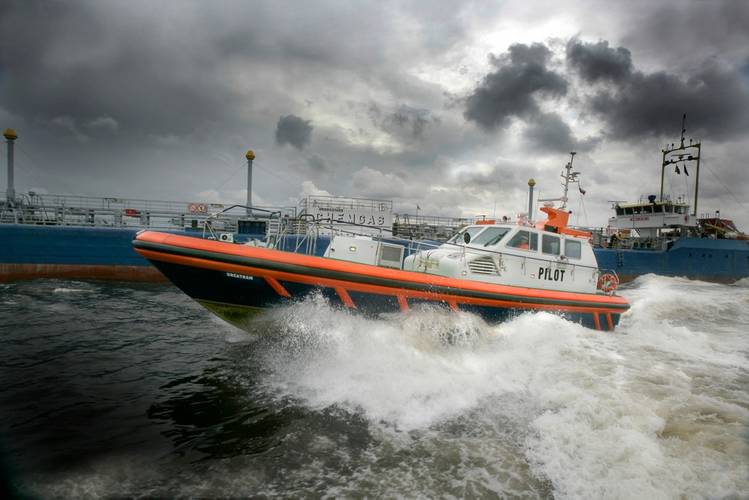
135	390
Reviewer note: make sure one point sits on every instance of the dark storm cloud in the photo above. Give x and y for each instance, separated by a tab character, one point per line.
294	131
171	68
598	61
691	30
550	134
73	62
715	98
512	90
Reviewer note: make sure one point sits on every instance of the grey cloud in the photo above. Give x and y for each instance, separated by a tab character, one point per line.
317	163
687	31
413	121
512	90
294	131
598	61
91	63
104	123
715	99
504	177
549	133
538	54
405	123
377	184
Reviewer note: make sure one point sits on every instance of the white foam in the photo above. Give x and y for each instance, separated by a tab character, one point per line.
69	290
656	409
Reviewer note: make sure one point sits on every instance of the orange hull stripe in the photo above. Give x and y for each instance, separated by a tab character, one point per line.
358	287
188	242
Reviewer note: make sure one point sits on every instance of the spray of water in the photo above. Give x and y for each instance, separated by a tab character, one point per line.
658	408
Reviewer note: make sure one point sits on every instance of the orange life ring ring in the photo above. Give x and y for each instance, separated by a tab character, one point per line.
608	282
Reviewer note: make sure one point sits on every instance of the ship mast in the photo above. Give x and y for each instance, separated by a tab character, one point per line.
682	154
568	176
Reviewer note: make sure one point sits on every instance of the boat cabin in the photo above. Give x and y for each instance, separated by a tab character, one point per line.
651	216
547	255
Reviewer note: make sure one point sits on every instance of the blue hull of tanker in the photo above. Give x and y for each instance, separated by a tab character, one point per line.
94	252
36	251
696	258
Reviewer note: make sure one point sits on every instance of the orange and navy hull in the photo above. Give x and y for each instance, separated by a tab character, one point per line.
228	278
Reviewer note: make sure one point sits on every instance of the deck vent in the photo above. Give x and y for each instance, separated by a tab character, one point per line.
483	265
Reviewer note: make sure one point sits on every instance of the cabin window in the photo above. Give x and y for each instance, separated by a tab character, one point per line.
619	211
628	211
636	210
573	249
648	209
550	244
524	240
472	230
490	236
669	208
658	209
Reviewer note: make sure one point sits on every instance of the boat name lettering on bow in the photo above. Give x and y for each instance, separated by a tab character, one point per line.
240	276
547	273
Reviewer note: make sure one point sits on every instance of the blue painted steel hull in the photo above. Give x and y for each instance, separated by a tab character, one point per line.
28	251
27	244
697	258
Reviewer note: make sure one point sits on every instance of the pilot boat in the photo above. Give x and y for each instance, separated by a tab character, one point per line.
495	270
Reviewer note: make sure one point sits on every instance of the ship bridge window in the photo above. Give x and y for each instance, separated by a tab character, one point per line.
471	230
658	209
550	244
573	249
524	240
636	210
628	211
647	209
619	211
669	208
490	236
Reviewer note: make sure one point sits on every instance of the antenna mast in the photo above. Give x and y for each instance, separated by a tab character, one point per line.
568	177
684	154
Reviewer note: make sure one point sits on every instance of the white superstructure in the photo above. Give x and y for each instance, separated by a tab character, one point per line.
517	255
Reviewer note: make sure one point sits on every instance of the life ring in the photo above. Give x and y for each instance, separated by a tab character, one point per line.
608	282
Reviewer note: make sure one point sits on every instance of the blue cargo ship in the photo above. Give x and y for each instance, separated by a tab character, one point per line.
660	236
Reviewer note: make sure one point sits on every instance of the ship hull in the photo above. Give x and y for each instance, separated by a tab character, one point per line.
716	260
236	281
31	252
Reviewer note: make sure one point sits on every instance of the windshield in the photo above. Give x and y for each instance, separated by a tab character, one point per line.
491	236
472	230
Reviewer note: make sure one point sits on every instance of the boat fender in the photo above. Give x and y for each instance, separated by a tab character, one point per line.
608	282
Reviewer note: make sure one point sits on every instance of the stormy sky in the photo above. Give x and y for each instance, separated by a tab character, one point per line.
448	105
